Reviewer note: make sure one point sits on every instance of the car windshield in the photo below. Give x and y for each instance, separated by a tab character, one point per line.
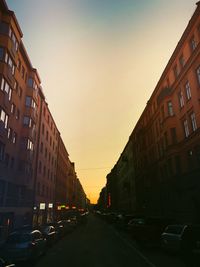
18	238
175	229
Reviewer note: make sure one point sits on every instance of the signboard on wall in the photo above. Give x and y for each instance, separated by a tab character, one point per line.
42	206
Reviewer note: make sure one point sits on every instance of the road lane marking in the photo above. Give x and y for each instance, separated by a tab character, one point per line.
134	248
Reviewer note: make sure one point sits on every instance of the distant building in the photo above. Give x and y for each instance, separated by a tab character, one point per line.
102	201
46	165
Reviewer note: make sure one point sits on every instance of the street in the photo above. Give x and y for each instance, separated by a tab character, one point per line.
98	244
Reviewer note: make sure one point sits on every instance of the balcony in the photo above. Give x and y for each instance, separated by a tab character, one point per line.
166	91
31	113
10	76
7	103
29	133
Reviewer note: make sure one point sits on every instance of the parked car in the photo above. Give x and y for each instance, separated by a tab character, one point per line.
49	233
172	236
121	221
24	245
64	226
3	263
147	231
181	238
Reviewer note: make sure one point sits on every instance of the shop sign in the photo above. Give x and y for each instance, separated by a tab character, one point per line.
42	206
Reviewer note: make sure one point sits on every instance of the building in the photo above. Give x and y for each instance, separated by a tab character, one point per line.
165	140
46	165
18	124
120	183
166	137
35	171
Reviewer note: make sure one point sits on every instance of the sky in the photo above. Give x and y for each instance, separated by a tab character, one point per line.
99	62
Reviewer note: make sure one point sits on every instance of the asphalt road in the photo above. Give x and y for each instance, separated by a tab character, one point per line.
97	244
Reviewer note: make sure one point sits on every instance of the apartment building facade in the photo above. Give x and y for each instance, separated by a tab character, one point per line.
46	165
120	185
18	123
166	138
29	137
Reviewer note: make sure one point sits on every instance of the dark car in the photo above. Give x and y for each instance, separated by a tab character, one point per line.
181	238
49	233
147	231
24	245
3	263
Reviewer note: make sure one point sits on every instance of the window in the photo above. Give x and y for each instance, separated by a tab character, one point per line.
6	88
10	63
27	121
173	135
28	101
29	145
2	151
14	39
4	118
187	90
170	108
198	74
181	99
181	61
2	84
9	135
12	135
14	138
17	114
193	43
193	122
186	128
1	53
12	109
30	82
175	69
4	27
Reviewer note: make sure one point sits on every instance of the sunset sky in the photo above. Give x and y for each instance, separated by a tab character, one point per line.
99	62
